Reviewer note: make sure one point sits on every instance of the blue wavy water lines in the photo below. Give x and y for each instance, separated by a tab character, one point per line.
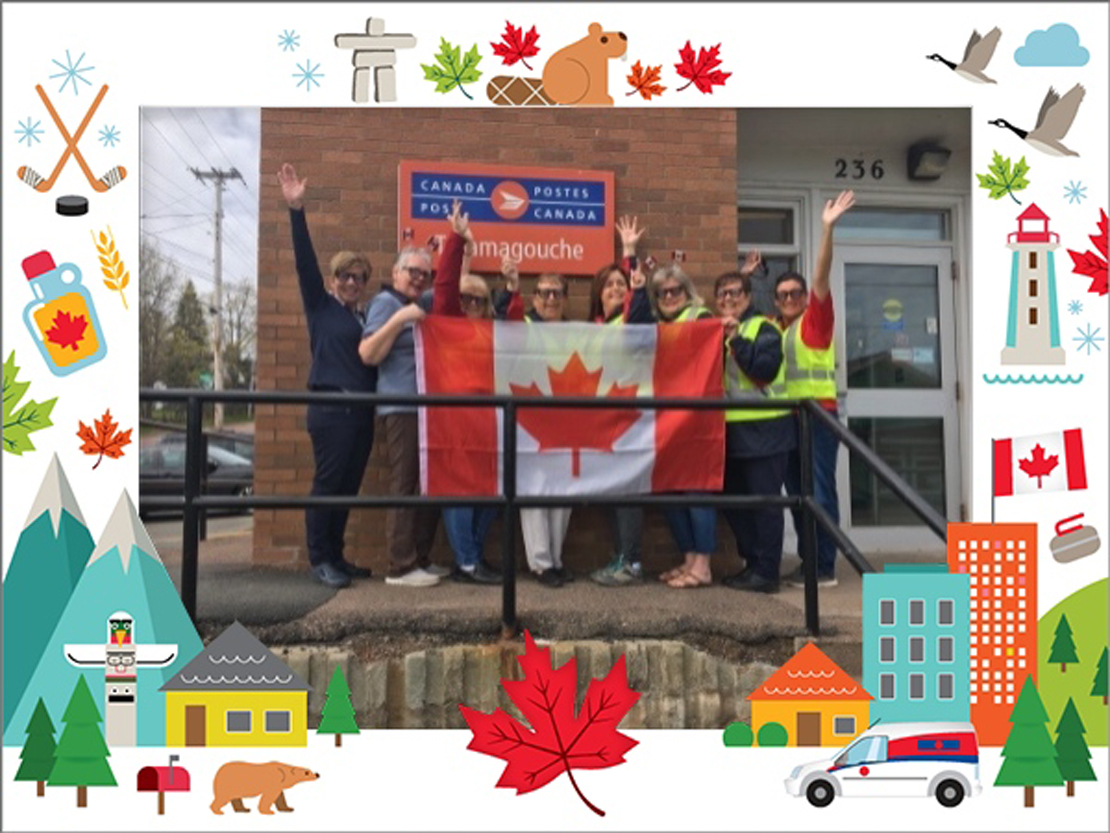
1033	380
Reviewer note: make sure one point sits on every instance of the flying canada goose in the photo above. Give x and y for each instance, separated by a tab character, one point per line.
976	57
1053	122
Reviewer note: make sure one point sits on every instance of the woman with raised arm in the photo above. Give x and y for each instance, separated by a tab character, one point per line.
341	434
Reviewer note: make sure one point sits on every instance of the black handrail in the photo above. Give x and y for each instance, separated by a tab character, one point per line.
194	503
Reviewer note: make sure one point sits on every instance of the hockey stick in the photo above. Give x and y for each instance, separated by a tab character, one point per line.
35	179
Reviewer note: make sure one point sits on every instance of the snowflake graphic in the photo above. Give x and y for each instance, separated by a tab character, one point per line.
308	75
1075	307
109	136
1089	340
289	40
1075	191
71	71
29	132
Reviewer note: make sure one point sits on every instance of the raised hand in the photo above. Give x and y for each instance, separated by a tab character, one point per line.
630	234
460	222
752	262
511	272
291	188
834	209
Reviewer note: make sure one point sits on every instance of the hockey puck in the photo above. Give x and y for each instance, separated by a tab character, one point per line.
71	206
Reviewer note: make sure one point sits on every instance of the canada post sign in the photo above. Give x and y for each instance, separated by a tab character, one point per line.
550	219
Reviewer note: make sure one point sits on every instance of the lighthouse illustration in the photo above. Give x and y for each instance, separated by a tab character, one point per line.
1032	327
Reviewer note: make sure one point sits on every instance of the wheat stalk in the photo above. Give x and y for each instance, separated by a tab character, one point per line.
116	277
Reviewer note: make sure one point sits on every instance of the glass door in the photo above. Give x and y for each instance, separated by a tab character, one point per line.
897	365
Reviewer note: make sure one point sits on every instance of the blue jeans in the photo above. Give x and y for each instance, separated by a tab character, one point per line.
467	527
825	445
694	528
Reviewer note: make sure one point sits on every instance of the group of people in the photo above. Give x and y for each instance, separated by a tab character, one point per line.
357	349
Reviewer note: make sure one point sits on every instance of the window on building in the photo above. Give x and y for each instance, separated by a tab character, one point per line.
917	649
886	686
1032	260
238	721
876	223
886	612
946	647
917	611
1032	289
917	686
886	649
945	612
844	725
278	722
773	229
1032	316
945	686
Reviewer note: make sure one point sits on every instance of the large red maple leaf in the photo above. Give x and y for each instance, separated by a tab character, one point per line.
516	46
1089	263
558	740
67	330
701	69
576	428
1038	465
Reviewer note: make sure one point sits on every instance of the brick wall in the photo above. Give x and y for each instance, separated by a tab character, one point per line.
674	169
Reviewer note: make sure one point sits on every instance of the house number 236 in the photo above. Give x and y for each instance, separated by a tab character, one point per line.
858	169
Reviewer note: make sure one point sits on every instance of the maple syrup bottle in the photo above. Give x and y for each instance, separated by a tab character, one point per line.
62	318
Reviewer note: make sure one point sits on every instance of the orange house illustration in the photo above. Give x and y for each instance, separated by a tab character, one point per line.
814	699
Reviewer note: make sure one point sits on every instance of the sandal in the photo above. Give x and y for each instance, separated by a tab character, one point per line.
688	581
673	573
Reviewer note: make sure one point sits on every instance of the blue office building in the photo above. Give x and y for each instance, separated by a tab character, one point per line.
916	643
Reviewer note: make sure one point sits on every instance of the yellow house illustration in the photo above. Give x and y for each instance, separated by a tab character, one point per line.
814	699
236	693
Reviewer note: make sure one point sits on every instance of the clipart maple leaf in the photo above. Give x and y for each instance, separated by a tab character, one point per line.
1038	465
28	417
67	330
1002	180
645	83
516	46
1089	263
558	740
452	70
576	428
105	440
701	69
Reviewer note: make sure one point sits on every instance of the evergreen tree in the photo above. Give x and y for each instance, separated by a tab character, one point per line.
81	759
338	715
1098	688
38	751
1072	756
1063	646
190	351
1029	759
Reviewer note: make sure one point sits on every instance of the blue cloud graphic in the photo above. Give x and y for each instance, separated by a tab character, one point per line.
1057	46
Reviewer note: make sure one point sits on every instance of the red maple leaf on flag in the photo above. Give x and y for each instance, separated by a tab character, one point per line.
1089	263
1038	465
576	428
701	68
515	45
68	331
105	440
558	740
646	83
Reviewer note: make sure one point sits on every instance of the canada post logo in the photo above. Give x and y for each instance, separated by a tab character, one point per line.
521	201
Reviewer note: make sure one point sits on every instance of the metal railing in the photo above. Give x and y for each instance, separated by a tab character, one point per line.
194	502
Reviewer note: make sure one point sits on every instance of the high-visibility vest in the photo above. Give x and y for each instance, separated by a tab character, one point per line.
739	387
810	373
691	313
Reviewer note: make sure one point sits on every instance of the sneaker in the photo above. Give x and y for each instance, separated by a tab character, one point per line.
437	570
752	582
617	573
798	579
330	575
353	570
413	578
564	574
550	578
481	574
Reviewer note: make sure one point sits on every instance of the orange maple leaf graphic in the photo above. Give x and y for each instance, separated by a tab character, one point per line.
645	83
576	428
105	440
1038	465
68	331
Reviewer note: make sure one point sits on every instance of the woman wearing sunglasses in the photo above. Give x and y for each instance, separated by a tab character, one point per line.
341	434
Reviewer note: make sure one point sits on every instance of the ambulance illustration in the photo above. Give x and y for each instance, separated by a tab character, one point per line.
903	759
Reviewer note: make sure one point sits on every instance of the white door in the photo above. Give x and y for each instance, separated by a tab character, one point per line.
897	366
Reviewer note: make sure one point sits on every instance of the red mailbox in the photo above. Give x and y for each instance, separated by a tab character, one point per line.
163	779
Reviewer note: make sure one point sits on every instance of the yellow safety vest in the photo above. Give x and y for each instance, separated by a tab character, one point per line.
739	387
810	373
691	313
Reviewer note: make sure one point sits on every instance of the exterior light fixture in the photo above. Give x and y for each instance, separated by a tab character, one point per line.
927	161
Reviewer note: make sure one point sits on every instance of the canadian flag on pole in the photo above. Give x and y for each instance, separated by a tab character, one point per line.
1041	463
563	451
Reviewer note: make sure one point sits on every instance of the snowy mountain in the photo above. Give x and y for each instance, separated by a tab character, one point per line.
124	574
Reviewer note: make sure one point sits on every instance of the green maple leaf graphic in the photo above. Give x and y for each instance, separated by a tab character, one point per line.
451	70
31	416
1002	180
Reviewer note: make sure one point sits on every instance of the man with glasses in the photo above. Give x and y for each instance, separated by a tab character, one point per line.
807	325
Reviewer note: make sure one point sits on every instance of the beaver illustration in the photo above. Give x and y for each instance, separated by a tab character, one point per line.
237	780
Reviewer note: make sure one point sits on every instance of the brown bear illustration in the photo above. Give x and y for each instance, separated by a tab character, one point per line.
237	780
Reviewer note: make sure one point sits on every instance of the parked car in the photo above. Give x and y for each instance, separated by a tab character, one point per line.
915	759
236	443
162	471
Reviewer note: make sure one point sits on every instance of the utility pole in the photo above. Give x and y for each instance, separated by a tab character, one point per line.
217	333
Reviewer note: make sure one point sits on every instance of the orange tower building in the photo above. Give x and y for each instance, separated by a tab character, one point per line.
1001	561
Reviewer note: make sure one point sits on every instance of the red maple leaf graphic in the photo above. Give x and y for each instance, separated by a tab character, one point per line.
1089	263
516	46
558	740
68	331
701	69
645	82
1038	465
576	428
105	439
